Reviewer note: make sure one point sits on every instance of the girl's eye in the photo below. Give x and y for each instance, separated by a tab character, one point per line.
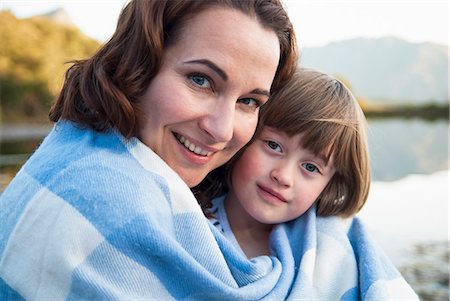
310	167
200	81
273	145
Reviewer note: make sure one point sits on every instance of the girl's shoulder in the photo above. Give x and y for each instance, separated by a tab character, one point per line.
217	210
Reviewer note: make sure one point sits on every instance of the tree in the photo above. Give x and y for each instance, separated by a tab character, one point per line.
33	58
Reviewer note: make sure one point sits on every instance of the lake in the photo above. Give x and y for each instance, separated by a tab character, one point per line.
400	147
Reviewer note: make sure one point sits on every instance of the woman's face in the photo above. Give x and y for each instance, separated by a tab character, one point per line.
202	106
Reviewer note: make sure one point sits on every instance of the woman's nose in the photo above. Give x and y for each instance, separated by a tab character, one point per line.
219	122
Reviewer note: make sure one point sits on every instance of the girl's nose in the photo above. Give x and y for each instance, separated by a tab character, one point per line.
282	175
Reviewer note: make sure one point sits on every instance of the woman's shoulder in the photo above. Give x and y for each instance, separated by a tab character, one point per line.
84	164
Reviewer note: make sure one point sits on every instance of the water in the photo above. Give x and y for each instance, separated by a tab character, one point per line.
400	147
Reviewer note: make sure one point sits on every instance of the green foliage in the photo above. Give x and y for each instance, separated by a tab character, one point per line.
429	111
33	57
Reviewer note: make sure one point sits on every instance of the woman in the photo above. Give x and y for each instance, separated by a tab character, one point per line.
103	210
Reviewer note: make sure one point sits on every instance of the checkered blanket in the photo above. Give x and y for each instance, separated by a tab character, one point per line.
91	216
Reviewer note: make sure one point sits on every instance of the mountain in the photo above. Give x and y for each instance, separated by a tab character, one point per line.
59	16
388	69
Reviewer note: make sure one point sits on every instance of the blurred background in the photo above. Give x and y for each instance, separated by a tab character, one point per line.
394	55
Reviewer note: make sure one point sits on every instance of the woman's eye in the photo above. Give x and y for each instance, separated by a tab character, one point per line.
200	81
310	167
250	102
273	145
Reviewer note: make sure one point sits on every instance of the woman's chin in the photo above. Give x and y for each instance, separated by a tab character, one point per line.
192	179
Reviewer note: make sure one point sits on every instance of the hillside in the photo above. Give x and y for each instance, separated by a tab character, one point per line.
386	69
33	57
34	53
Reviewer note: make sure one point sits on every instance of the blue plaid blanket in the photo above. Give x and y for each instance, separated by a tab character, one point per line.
91	216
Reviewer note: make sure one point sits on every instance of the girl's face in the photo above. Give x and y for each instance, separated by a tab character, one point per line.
202	106
276	180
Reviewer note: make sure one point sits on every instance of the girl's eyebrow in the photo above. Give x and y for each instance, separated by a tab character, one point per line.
323	159
326	159
211	66
319	156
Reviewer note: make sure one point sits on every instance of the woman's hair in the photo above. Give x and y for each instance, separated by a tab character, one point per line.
104	90
331	122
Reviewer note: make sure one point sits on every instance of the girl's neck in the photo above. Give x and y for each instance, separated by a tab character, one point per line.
252	236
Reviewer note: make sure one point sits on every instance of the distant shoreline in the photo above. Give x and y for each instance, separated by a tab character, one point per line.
426	111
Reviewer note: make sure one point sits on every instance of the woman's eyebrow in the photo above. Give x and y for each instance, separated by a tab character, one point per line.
261	92
210	65
223	75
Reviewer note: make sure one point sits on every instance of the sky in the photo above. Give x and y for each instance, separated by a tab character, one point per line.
317	22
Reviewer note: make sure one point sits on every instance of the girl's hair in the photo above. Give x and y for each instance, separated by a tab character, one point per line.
328	116
104	90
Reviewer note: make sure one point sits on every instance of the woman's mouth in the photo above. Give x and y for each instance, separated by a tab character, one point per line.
192	147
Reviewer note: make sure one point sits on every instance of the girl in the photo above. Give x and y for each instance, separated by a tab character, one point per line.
291	192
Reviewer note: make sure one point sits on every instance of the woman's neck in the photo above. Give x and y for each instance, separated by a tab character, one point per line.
252	236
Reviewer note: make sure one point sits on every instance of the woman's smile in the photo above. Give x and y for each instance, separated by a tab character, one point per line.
192	147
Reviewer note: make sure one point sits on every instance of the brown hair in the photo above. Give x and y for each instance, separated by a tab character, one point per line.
327	114
104	90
